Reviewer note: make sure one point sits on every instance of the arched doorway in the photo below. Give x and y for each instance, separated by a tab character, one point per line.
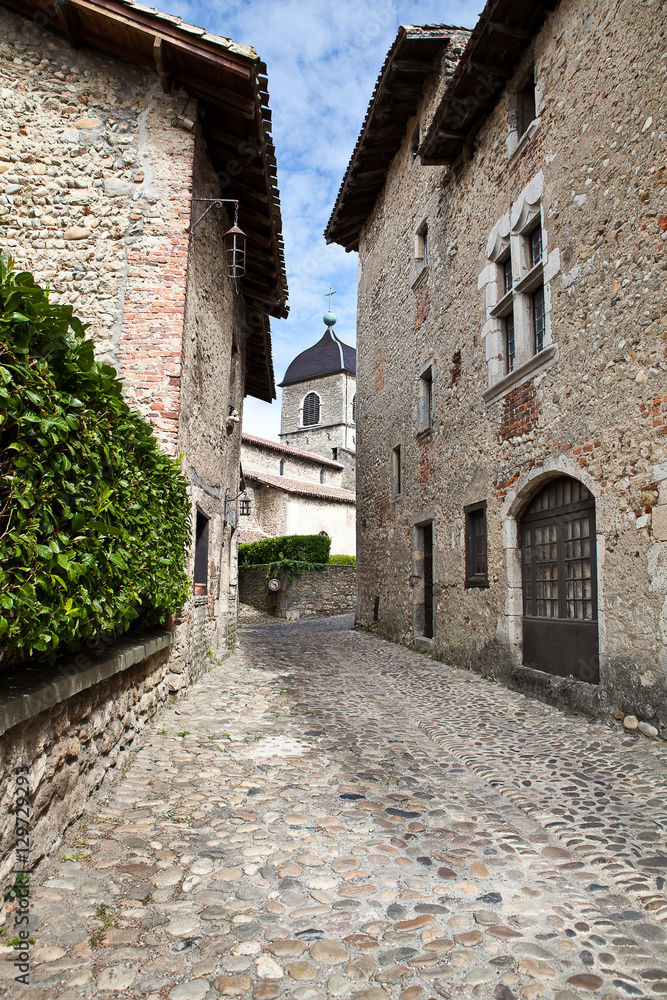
559	581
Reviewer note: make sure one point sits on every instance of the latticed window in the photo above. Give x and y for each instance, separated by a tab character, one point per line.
311	409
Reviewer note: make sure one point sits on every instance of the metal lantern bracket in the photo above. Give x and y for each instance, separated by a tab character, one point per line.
234	240
215	203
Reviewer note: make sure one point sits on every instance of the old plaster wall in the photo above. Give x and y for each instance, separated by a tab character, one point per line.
95	192
598	413
277	512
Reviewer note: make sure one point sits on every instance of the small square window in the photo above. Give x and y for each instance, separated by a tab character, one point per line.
476	545
245	508
537	304
396	471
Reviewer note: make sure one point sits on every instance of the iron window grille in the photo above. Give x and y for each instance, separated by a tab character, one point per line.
476	545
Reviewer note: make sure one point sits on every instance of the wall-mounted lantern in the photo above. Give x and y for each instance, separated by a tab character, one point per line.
234	240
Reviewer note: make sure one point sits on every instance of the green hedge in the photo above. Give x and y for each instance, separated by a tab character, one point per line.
94	517
287	548
342	560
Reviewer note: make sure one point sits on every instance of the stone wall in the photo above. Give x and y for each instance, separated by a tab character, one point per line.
317	593
97	190
95	197
336	428
596	163
270	457
69	725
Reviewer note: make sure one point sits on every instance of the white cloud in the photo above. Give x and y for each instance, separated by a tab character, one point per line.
323	59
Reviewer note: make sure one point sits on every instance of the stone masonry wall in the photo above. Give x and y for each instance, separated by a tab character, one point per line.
295	466
95	196
597	410
329	591
95	707
336	428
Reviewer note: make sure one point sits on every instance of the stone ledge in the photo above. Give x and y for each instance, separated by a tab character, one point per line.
538	363
562	692
29	690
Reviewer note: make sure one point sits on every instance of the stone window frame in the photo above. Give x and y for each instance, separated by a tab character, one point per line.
511	237
419	522
473	513
312	423
520	129
396	472
201	552
420	252
426	397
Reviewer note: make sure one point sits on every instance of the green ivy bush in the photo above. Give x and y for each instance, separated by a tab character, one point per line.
338	560
94	517
286	548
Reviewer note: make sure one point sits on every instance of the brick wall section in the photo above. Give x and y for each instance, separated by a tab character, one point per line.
520	412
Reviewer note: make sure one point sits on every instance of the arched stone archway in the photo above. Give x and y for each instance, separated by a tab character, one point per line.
510	626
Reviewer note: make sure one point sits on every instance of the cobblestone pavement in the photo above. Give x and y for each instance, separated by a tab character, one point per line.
330	815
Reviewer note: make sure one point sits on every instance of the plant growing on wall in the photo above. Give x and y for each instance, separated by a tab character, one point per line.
94	517
291	554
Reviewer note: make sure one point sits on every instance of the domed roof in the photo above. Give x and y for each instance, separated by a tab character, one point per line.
327	357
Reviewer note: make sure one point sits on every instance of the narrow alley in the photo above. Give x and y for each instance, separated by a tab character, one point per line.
326	814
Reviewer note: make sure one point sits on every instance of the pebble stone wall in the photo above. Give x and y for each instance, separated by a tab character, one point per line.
95	199
319	592
96	706
598	412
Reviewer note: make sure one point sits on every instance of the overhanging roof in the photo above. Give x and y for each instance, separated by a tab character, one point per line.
504	30
230	84
398	90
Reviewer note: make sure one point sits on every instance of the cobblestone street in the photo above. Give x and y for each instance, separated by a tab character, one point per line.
329	815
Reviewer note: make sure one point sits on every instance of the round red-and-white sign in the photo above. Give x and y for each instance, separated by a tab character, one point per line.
274	584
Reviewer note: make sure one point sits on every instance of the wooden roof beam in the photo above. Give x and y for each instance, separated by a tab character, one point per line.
158	56
509	30
67	23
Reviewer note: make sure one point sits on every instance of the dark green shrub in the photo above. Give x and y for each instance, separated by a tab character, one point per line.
287	548
342	560
94	517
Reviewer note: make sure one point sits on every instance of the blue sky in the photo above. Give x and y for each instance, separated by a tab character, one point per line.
323	58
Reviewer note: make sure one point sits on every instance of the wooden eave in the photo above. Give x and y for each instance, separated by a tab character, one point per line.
499	39
229	82
397	92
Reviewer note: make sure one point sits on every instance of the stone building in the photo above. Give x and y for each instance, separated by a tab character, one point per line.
119	125
293	492
507	196
319	401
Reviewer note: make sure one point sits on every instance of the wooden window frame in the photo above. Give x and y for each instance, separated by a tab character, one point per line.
202	525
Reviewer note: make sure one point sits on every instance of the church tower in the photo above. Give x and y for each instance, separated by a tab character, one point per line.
319	403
